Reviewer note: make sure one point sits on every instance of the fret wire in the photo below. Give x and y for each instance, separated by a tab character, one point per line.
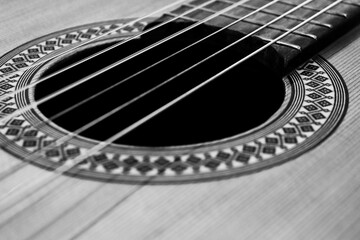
312	8
292	17
282	43
304	33
330	12
293	46
300	33
259	23
285	29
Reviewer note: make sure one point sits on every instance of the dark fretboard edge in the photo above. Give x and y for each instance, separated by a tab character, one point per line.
340	26
297	46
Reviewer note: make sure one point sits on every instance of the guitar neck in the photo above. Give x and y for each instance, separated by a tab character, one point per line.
271	23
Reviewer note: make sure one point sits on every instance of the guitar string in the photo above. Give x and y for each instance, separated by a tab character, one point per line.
9	75
103	215
28	107
218	31
85	79
85	228
83	128
5	144
16	168
19	166
274	20
94	122
103	144
33	84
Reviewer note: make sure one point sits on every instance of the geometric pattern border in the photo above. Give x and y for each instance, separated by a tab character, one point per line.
318	102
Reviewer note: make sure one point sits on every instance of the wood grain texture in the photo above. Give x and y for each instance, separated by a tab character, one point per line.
315	196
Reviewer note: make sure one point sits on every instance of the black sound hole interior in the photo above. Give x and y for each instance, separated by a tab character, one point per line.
237	101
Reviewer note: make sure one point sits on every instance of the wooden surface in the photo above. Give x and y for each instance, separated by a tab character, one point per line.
315	196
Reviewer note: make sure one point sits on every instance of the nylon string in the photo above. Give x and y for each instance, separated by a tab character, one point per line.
98	37
103	144
28	107
87	126
97	53
8	117
85	79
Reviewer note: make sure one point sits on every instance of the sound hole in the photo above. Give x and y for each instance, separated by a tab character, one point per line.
237	101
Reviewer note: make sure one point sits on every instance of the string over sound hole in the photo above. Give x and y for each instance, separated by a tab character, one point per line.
235	102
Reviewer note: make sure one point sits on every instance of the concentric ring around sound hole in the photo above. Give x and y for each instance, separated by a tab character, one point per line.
240	100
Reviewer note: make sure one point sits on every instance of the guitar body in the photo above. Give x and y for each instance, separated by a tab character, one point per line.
314	196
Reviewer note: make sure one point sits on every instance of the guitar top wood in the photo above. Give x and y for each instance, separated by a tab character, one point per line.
315	196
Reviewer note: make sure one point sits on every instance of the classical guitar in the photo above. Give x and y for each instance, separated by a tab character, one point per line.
202	119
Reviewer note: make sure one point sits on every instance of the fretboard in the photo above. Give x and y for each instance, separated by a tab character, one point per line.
296	46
